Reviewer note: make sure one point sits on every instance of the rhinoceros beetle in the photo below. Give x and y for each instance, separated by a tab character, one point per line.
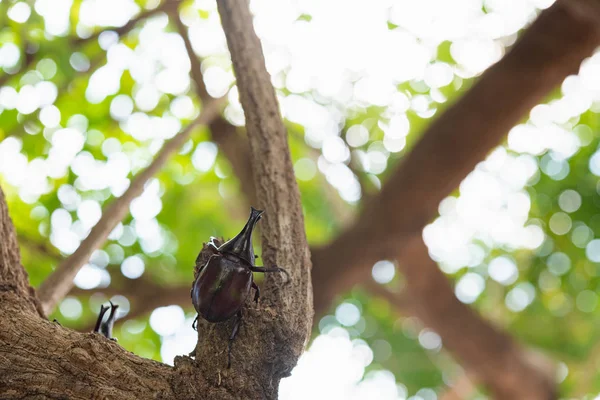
223	284
106	328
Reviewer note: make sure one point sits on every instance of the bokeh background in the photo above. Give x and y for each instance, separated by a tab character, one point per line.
84	108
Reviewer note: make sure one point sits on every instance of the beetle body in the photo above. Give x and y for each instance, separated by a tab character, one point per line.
223	283
222	287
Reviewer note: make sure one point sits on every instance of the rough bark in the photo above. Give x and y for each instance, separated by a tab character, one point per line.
13	278
60	281
279	327
68	364
390	226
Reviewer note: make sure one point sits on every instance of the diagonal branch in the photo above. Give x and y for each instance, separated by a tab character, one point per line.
60	281
390	226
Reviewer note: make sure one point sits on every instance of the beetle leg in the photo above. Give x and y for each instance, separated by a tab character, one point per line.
195	324
270	269
257	294
234	332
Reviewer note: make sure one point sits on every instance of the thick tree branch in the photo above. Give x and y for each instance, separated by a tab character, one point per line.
89	366
58	284
276	332
69	364
390	227
283	239
13	278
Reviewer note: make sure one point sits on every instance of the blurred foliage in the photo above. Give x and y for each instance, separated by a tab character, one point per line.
194	204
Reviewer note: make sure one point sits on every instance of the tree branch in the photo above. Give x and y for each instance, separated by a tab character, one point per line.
278	330
60	282
550	50
284	239
71	365
390	226
13	278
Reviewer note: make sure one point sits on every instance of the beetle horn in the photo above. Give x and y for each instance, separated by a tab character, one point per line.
241	245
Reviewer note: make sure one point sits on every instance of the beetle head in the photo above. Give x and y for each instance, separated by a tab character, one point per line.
241	245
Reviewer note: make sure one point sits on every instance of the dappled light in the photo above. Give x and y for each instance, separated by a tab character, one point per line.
91	91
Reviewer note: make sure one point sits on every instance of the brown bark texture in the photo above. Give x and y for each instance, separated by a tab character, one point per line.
390	226
279	327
